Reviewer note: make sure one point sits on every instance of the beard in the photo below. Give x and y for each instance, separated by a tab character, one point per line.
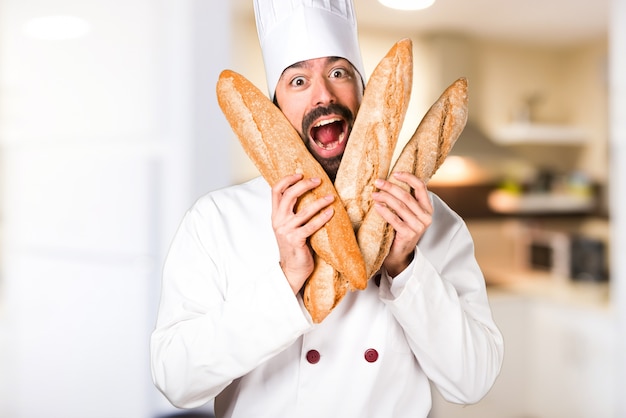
330	165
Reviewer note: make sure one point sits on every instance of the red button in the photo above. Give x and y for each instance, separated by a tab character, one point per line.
313	356
371	355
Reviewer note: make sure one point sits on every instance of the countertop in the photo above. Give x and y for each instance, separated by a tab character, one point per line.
546	287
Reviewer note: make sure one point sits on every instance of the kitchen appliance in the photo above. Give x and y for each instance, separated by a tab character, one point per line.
563	255
588	259
546	250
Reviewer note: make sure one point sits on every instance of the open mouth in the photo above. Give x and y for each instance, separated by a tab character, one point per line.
329	134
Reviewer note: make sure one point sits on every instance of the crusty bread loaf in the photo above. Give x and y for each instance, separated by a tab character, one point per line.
376	129
422	155
277	150
367	157
436	134
324	290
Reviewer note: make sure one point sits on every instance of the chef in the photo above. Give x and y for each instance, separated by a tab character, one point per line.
232	326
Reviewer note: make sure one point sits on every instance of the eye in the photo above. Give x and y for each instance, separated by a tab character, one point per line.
339	73
297	81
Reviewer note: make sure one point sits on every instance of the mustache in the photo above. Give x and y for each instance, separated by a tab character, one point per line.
332	109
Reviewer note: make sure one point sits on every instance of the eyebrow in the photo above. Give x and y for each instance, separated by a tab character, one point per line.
305	64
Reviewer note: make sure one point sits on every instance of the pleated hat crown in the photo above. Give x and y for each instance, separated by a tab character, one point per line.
291	31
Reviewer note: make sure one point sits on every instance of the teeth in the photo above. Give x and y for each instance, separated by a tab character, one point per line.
326	122
332	145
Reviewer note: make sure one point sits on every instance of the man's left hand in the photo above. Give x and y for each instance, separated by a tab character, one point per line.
410	214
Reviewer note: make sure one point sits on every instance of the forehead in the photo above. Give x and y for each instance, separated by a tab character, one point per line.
310	64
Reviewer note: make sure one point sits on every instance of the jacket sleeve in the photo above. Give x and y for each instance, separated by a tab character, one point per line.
443	309
210	330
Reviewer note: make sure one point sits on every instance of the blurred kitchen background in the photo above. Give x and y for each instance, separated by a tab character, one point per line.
109	131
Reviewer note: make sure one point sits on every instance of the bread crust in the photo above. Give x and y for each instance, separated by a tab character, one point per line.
367	157
277	150
324	290
422	155
376	129
436	134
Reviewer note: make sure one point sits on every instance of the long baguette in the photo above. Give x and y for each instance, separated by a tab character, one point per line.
277	150
367	157
422	155
436	134
376	129
324	289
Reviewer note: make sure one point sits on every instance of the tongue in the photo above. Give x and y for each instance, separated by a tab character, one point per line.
328	134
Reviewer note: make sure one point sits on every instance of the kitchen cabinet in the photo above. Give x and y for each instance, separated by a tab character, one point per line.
571	371
559	360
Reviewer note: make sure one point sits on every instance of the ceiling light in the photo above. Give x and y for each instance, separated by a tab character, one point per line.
407	4
56	28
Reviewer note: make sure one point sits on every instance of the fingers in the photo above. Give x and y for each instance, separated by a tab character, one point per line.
283	185
408	212
285	195
293	226
419	188
403	208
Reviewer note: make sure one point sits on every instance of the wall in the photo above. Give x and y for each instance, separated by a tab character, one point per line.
617	185
571	84
587	93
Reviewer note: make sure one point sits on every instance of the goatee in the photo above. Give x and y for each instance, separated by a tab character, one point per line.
330	165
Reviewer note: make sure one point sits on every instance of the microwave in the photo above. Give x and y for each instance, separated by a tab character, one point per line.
546	250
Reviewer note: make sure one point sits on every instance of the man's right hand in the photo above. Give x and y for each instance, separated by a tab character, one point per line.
292	229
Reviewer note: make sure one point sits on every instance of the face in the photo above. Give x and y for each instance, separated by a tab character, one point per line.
320	97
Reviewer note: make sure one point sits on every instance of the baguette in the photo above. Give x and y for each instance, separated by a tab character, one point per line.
323	290
277	150
376	129
423	154
367	157
436	134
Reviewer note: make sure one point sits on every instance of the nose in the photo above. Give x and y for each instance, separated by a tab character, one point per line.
323	93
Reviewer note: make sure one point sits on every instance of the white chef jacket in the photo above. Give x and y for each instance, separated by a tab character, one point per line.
229	326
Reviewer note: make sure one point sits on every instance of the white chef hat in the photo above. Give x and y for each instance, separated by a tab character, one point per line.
291	31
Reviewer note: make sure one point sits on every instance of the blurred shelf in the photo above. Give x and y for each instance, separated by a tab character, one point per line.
540	134
539	203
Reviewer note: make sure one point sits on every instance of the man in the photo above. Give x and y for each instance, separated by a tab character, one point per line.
232	326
